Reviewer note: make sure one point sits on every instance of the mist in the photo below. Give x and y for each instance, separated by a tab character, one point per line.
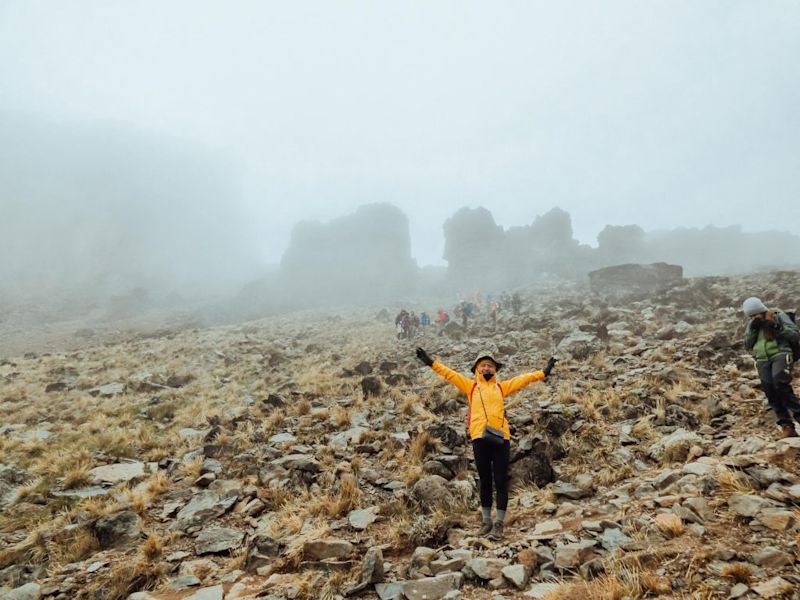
268	157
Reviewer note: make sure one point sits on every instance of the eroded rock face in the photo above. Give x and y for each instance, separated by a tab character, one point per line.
349	257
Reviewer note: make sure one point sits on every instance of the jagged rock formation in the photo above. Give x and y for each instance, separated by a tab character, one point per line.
361	257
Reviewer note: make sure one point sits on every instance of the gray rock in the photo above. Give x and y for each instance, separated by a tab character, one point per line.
573	492
11	478
541	590
202	508
371	571
776	519
390	591
325	549
431	492
432	588
29	591
360	519
739	590
487	568
518	575
772	557
261	551
298	462
117	473
774	588
613	538
676	445
108	390
571	556
117	529
218	539
210	593
747	505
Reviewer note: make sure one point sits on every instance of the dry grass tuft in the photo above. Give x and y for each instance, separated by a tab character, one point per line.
421	445
733	482
739	572
125	578
152	547
670	525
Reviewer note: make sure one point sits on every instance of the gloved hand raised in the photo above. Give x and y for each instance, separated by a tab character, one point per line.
423	356
550	364
774	325
757	324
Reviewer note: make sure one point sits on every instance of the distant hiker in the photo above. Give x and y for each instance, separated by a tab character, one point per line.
442	318
403	323
772	337
424	319
488	427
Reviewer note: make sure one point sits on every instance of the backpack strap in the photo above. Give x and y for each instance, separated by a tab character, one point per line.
469	404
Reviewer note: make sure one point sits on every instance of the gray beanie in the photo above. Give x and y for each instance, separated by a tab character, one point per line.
753	306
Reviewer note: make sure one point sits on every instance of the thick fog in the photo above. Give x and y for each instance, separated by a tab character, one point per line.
189	146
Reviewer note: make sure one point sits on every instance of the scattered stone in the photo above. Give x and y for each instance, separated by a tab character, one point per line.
325	549
747	505
360	519
776	519
487	568
772	557
432	588
571	556
117	529
29	591
542	590
774	588
431	492
518	575
117	473
218	539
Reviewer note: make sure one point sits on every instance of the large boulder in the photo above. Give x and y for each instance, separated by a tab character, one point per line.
117	529
431	492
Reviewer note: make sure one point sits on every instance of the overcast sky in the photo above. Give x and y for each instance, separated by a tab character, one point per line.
657	113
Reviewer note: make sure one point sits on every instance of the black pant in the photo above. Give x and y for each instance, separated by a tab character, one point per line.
776	381
492	461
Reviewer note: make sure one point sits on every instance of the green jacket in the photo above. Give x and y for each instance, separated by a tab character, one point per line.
764	349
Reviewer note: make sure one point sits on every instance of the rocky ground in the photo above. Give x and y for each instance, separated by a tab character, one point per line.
312	456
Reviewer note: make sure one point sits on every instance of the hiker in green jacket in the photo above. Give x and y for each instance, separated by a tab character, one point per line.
771	336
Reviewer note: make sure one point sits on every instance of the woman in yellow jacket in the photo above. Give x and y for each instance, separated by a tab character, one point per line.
488	427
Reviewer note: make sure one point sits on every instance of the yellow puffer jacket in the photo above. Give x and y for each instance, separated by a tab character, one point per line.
492	393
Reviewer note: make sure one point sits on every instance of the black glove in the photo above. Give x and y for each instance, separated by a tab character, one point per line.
756	324
550	364
775	325
423	356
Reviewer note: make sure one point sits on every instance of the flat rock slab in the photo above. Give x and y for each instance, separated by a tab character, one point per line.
325	549
432	588
117	473
541	590
747	505
360	519
29	591
218	539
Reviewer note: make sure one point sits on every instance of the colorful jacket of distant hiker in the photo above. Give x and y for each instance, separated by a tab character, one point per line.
764	346
493	394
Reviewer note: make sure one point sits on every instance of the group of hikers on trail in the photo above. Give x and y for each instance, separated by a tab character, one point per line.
407	323
771	335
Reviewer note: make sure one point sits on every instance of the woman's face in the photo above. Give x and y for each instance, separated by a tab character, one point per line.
487	367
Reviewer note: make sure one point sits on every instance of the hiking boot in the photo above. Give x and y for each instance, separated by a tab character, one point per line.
485	528
788	431
497	531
